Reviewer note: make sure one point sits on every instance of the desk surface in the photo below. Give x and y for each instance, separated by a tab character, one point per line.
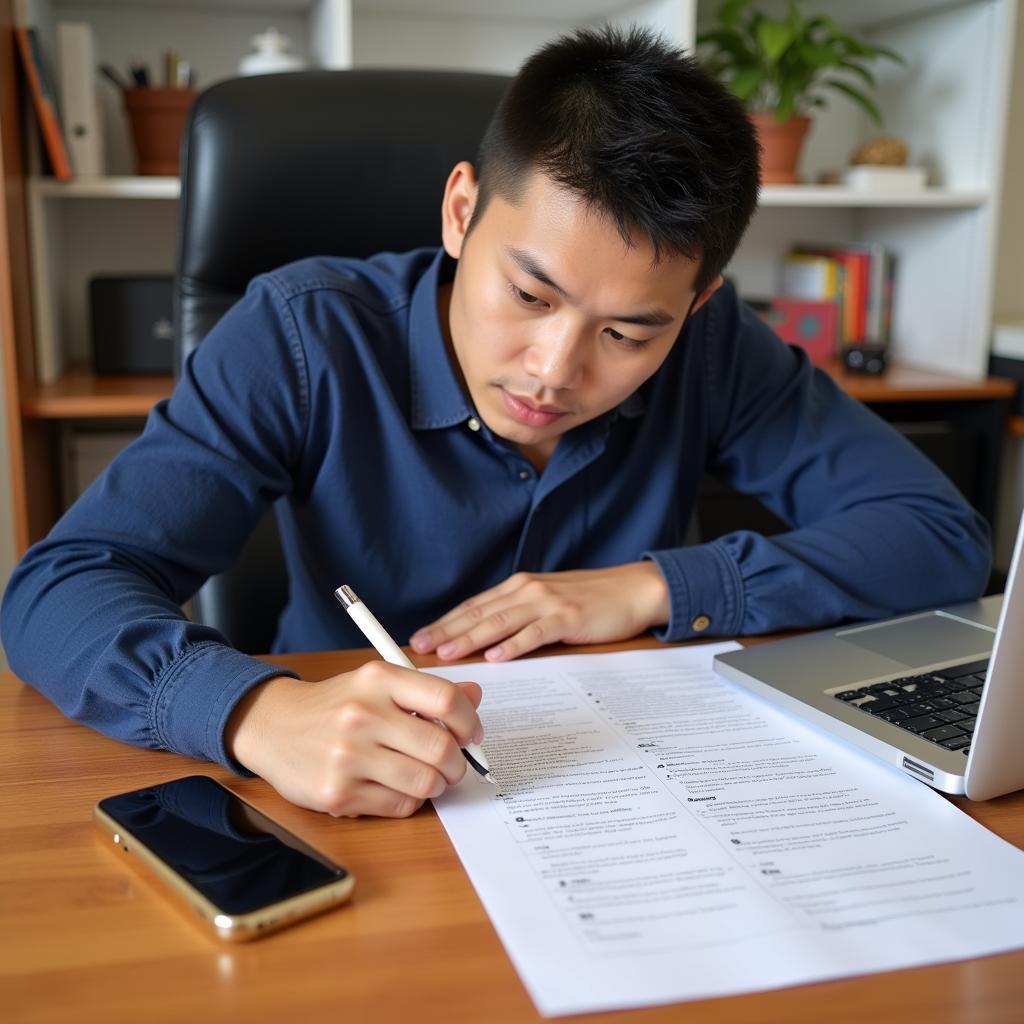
83	937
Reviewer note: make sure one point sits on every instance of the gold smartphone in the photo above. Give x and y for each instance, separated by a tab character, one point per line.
241	872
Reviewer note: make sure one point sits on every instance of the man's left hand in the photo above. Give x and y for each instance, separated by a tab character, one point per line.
529	610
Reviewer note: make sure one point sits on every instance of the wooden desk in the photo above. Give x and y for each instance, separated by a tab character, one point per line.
85	938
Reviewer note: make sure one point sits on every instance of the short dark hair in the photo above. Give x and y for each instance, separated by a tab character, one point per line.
639	131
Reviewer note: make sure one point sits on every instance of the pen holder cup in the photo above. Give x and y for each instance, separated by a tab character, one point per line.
157	118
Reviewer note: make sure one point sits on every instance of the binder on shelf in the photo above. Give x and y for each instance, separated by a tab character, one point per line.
43	101
76	60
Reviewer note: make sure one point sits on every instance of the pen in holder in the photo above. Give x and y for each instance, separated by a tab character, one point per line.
157	118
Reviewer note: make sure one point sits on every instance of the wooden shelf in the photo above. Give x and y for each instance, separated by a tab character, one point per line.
80	394
909	384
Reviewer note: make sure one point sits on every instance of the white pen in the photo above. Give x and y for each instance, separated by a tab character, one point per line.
394	655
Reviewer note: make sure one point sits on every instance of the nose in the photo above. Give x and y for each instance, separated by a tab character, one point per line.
557	359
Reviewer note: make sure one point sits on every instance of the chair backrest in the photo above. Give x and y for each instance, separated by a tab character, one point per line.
279	167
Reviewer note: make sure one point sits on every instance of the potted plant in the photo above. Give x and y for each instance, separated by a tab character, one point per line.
780	67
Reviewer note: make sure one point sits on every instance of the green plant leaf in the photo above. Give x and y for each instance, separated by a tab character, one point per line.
858	97
746	82
819	55
859	70
774	37
729	41
884	51
778	64
729	13
786	107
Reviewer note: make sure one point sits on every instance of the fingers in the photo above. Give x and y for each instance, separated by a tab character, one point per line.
367	797
473	692
500	620
533	613
348	745
434	699
464	615
381	802
430	752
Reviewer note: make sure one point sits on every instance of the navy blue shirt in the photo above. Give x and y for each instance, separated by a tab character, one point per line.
328	385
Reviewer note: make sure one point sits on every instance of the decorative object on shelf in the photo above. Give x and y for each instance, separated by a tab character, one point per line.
271	55
779	67
43	102
157	118
868	359
880	165
811	325
882	149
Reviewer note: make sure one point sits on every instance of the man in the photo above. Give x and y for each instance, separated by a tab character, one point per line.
499	445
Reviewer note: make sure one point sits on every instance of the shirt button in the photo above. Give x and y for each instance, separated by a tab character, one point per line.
524	474
473	424
700	623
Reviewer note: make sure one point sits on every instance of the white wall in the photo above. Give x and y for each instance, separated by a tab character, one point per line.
1009	288
1009	281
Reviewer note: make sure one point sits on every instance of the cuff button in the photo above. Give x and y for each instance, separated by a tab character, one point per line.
700	623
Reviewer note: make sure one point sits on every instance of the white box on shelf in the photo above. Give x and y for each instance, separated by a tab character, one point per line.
1008	340
883	178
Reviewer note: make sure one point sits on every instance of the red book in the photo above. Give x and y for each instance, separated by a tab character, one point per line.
43	102
812	325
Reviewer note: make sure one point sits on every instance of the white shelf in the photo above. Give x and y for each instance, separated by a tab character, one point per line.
834	196
127	187
831	196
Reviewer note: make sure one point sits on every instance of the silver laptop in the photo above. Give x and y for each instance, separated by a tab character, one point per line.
940	694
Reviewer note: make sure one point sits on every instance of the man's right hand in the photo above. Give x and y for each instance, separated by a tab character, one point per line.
348	745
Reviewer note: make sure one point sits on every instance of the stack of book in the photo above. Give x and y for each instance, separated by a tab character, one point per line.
857	277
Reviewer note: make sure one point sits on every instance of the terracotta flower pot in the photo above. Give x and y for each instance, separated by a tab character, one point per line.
157	118
780	147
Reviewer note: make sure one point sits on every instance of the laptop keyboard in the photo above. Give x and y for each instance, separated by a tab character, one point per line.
939	706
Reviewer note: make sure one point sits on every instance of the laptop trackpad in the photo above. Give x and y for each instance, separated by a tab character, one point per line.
927	640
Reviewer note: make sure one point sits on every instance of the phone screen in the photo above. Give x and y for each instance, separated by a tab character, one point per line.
235	856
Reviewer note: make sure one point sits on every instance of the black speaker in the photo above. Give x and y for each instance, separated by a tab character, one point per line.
132	329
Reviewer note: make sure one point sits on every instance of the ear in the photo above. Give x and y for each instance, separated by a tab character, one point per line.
706	294
457	207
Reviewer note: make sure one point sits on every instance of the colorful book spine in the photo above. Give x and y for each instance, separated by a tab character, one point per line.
867	289
43	102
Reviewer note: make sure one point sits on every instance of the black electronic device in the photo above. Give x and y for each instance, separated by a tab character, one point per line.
132	323
866	358
240	871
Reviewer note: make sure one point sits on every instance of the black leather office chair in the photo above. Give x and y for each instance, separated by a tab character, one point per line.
279	167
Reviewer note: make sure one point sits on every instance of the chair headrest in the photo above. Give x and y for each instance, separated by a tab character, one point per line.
347	163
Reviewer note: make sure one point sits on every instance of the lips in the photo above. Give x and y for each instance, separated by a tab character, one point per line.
525	412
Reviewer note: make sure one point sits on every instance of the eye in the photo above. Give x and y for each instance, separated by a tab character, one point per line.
623	340
525	297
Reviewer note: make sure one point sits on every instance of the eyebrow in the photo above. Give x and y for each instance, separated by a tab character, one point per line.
528	264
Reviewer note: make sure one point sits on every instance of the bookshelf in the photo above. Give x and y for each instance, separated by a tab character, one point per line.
949	105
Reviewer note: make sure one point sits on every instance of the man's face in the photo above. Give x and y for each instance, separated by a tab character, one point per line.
552	318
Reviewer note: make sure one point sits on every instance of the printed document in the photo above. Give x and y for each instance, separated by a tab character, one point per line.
660	835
